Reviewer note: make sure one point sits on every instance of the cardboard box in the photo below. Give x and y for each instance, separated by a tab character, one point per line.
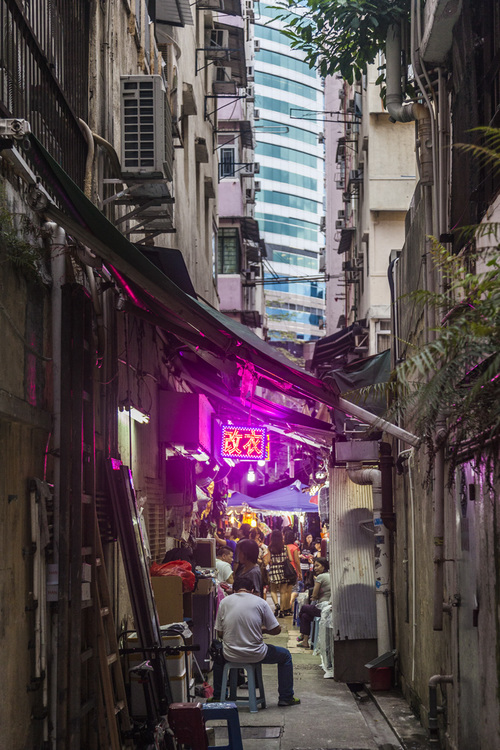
169	598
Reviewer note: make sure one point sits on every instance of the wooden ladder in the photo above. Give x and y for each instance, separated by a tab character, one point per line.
113	714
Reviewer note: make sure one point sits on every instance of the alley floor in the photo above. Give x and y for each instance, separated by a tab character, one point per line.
330	716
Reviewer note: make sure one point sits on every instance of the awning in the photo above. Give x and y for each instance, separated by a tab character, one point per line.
338	344
287	500
172	13
190	319
346	236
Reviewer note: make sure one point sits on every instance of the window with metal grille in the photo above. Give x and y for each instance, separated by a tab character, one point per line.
228	255
227	161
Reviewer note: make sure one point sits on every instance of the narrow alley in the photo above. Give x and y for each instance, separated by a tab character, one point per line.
332	715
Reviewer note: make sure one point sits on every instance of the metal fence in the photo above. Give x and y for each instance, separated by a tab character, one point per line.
44	49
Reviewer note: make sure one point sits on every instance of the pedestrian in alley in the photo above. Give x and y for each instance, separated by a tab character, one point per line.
276	556
248	556
321	595
242	620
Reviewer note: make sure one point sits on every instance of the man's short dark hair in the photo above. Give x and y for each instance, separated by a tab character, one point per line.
243	582
250	549
224	551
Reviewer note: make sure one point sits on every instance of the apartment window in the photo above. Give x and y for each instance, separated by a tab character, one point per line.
228	255
383	335
227	161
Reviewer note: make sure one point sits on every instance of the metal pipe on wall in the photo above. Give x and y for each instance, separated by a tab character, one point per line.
57	242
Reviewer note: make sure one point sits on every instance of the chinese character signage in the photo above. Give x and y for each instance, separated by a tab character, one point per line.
243	443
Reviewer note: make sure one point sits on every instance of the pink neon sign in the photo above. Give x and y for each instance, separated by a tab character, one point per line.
243	443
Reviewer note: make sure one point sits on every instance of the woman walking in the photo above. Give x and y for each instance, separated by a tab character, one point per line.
276	557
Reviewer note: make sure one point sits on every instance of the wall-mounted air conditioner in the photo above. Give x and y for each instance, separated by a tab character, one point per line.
249	195
216	43
350	106
256	167
256	114
145	124
321	138
257	187
356	175
339	184
256	45
340	224
250	75
250	94
341	214
322	224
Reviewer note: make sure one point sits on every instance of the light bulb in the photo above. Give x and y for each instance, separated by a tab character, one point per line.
251	475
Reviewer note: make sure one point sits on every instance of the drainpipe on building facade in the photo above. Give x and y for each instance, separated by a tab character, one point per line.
439	493
358	475
434	710
57	242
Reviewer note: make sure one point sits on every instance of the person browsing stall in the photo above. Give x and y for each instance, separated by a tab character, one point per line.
242	620
224	565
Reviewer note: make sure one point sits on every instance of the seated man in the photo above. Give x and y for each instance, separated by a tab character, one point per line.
241	621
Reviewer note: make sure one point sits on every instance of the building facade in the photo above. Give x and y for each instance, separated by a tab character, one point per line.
289	102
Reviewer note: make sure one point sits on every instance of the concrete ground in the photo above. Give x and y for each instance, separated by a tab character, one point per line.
329	716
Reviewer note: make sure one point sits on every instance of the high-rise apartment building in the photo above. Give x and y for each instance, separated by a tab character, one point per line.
289	104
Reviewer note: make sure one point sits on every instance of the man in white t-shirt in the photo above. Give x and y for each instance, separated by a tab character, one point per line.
242	619
223	564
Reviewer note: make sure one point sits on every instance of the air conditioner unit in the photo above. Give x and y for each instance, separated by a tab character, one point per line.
256	114
250	95
249	195
339	184
144	124
256	167
216	43
339	224
350	106
256	45
250	75
322	224
321	138
341	214
257	187
356	175
322	260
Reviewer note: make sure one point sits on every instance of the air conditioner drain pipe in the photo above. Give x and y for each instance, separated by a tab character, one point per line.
434	710
382	560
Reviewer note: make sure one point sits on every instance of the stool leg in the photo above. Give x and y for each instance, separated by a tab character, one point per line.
234	733
252	695
233	683
260	683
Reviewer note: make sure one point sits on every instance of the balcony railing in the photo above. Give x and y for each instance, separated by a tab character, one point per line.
43	73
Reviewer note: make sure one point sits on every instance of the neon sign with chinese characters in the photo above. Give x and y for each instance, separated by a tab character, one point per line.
243	443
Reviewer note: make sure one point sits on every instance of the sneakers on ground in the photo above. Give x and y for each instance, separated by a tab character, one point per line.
289	702
328	674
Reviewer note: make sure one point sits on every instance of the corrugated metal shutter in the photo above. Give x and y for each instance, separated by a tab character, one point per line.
352	558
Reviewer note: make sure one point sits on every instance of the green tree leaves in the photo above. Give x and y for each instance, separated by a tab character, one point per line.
340	36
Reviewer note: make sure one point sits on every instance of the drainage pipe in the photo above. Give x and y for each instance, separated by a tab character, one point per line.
434	710
57	242
439	493
372	476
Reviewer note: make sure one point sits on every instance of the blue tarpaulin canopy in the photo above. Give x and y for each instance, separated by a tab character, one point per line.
286	500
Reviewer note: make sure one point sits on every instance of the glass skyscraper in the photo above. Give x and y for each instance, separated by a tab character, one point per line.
289	100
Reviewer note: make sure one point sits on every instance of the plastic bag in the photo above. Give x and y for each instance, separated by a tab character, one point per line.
176	568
